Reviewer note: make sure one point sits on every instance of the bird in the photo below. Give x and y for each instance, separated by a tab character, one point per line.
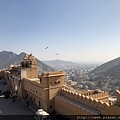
57	54
46	48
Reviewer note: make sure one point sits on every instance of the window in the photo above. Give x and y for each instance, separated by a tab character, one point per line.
34	99
40	79
58	82
55	82
39	104
27	95
36	91
18	83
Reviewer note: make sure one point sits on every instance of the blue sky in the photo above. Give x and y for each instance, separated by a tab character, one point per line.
80	30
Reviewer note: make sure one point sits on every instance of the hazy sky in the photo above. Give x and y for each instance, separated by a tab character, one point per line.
80	30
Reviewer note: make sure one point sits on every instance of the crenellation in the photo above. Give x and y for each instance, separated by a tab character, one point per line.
72	93
105	105
76	97
89	100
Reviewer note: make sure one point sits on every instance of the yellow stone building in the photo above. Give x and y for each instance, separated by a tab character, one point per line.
48	91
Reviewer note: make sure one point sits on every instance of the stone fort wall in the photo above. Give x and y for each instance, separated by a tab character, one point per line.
91	101
103	96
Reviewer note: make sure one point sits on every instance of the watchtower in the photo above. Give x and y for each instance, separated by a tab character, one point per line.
29	66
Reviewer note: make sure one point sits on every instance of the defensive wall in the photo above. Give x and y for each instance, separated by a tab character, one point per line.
115	108
95	94
91	101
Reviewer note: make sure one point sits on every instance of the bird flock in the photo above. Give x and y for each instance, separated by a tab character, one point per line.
48	47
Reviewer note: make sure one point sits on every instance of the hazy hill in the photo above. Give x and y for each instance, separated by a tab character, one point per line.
113	72
8	57
111	68
58	63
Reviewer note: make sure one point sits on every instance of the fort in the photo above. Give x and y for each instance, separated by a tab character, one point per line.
49	92
82	100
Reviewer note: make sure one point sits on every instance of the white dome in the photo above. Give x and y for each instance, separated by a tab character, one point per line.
25	57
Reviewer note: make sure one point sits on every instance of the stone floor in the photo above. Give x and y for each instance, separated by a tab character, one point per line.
8	107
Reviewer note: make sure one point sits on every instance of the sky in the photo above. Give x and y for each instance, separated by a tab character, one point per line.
84	31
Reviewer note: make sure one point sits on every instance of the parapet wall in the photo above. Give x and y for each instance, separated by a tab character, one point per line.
93	102
98	96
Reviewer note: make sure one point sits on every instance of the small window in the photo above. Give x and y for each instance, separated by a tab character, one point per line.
27	95
39	104
40	79
19	83
34	99
58	82
36	91
55	82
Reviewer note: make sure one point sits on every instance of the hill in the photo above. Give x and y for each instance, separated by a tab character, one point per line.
106	66
113	72
111	69
9	57
58	63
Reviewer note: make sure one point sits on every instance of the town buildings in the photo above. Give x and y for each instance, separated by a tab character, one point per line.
49	92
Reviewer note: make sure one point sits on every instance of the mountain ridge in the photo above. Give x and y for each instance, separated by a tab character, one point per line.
9	57
106	66
108	69
58	63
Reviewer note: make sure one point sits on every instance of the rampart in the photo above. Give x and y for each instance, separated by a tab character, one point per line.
91	101
103	96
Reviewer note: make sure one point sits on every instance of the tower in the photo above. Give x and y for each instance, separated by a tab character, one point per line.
51	83
29	66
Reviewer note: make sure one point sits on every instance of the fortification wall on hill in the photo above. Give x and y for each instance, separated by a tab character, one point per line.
103	96
91	101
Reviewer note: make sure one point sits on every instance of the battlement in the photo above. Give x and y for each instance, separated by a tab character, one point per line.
95	94
88	100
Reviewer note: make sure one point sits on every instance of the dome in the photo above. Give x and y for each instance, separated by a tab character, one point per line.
31	55
10	67
25	57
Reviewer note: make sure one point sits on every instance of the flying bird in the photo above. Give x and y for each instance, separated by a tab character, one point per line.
46	48
57	54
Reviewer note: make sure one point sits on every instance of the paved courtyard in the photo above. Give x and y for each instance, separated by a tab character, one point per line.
8	107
